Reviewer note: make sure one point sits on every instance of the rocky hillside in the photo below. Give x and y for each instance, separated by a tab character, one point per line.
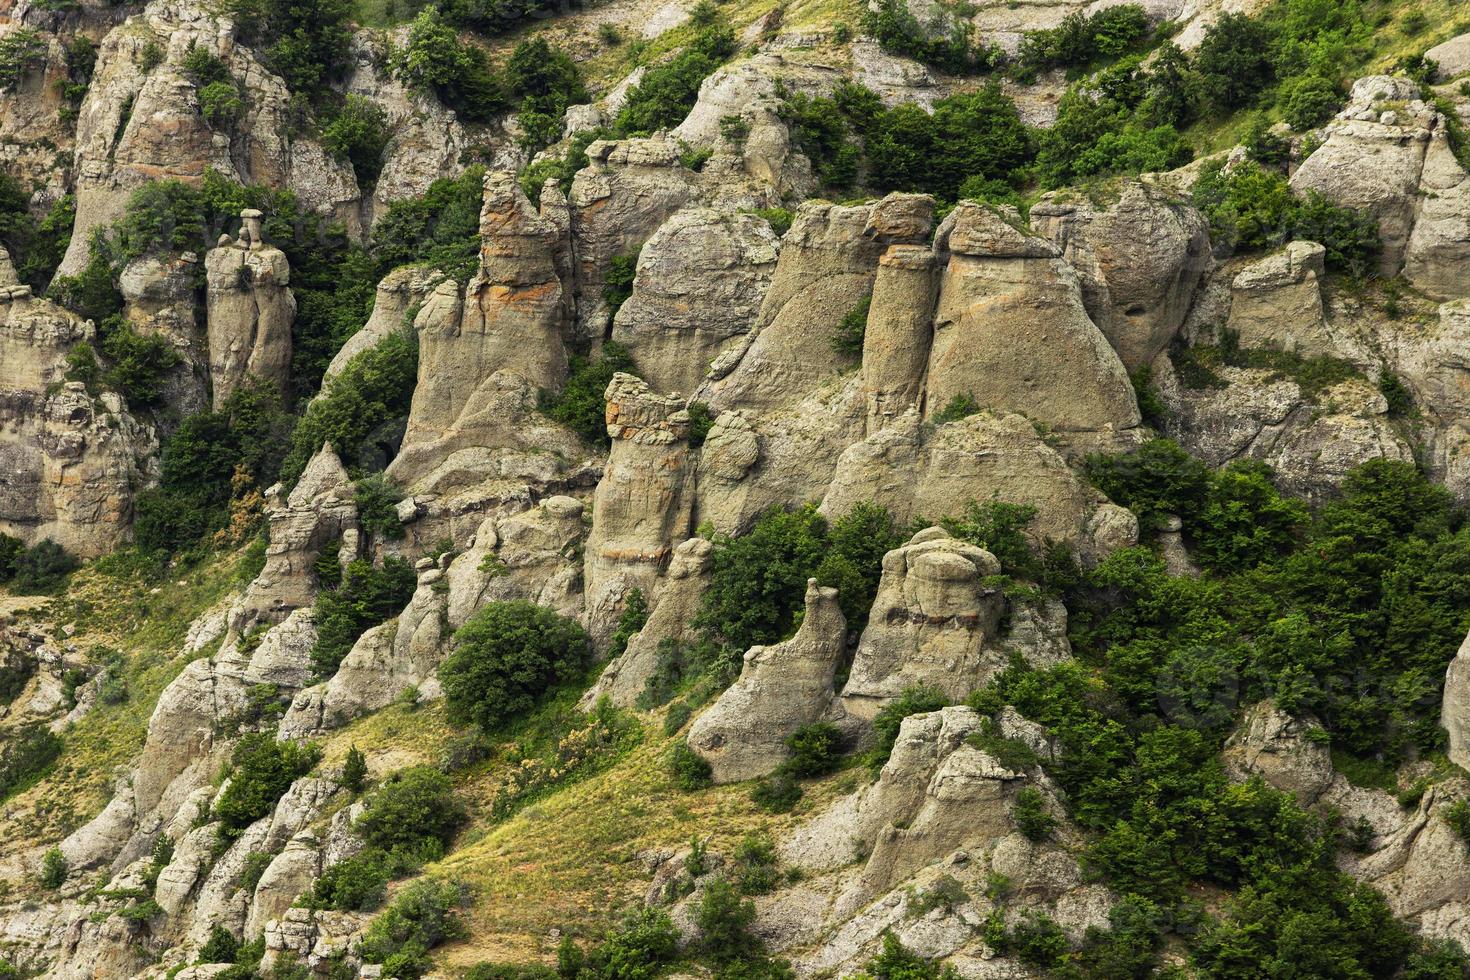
738	490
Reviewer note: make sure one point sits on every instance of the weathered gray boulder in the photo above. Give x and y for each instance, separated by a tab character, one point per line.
934	623
1011	331
1452	57
1438	249
1138	259
701	278
1277	302
1455	709
781	688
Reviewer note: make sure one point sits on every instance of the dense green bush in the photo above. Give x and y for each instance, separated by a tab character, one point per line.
667	92
21	49
358	408
1234	61
35	247
437	62
507	657
139	363
638	949
1309	101
53	869
944	43
545	80
377	506
413	811
423	916
358	133
815	750
1082	39
897	962
261	768
581	405
366	596
248	436
1030	814
41	569
440	229
847	339
306	42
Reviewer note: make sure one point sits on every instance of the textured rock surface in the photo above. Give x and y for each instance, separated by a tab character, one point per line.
1138	260
933	624
700	281
69	463
1011	331
644	502
898	332
1277	302
251	310
780	688
675	602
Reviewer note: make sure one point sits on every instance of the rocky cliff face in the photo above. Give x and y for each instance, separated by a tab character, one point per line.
997	353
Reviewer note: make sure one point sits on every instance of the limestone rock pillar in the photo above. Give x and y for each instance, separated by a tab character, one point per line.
251	310
900	328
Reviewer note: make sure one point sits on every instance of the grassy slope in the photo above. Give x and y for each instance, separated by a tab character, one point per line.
148	623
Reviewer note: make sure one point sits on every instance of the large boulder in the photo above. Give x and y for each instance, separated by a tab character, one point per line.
1011	332
898	332
1138	259
934	623
1438	250
251	311
700	281
1455	710
781	688
1277	302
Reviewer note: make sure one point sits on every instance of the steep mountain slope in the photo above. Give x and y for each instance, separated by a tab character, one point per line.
738	490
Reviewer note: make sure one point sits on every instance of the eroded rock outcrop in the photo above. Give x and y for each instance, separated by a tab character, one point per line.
1277	302
898	332
933	623
781	688
70	462
1012	333
251	311
644	502
675	602
1138	260
701	278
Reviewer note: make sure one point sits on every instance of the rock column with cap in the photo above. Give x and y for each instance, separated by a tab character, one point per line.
251	311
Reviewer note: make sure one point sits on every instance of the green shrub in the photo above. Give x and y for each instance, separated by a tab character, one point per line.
677	717
898	962
1082	39
1031	816
423	916
354	770
261	769
815	750
581	406
545	81
667	92
1309	101
1457	815
366	597
358	134
43	569
415	811
847	340
1234	62
307	44
968	135
724	920
26	755
1249	207
1245	520
437	62
755	871
21	49
776	794
1157	480
377	506
632	619
638	949
140	363
618	285
958	407
944	43
36	247
701	420
256	864
220	104
355	884
512	971
507	657
687	768
53	869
